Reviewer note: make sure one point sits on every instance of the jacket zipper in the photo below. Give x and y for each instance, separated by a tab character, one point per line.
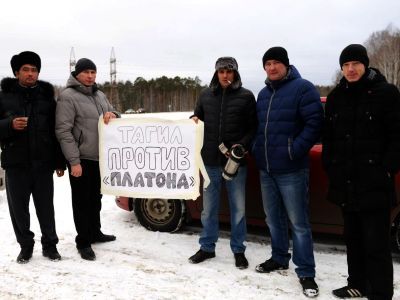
220	116
290	143
265	130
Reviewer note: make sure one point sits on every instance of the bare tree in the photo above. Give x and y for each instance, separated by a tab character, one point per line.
384	53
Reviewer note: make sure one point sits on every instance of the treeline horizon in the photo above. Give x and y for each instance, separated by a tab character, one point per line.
165	94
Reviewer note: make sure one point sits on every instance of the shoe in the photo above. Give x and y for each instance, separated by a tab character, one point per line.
241	261
270	265
201	256
87	253
25	254
347	292
310	288
51	253
103	238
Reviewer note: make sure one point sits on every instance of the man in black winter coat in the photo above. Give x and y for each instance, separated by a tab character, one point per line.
229	114
361	155
30	152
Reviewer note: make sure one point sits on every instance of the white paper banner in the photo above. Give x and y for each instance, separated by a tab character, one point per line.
147	157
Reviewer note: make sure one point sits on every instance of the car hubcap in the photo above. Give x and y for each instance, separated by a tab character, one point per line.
158	210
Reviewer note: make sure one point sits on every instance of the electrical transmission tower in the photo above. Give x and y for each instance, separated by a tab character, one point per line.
114	99
72	60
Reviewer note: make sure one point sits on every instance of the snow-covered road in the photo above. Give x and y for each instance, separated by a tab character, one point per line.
147	265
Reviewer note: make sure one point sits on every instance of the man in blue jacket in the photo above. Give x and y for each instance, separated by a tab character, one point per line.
290	117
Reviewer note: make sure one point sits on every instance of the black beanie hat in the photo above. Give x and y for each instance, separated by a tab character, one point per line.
84	64
25	58
354	52
276	53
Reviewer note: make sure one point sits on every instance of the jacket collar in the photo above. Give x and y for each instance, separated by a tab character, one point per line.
11	85
291	74
86	90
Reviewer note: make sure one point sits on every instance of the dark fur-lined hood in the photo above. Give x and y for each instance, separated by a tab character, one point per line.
10	85
237	81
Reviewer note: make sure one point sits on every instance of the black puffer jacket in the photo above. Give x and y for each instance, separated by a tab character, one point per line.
37	145
229	116
361	142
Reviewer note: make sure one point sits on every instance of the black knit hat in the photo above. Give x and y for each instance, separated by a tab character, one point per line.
276	53
82	65
226	62
354	52
25	58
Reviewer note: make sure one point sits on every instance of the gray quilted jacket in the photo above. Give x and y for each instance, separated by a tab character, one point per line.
78	110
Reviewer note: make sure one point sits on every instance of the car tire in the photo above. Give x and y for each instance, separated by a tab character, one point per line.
165	215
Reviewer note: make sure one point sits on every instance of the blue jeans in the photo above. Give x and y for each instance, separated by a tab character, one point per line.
285	200
236	189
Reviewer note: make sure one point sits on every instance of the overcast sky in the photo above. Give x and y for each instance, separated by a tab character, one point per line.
183	38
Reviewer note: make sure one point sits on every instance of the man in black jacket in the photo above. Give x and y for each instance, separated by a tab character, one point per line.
30	152
361	155
229	114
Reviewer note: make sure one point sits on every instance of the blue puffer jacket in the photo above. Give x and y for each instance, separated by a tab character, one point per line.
290	117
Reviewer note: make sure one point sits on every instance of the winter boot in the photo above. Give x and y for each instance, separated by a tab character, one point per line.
241	261
310	288
103	238
25	254
270	265
87	253
51	253
201	256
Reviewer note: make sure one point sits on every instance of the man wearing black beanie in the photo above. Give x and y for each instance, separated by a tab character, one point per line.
361	155
290	117
278	54
78	110
30	153
354	52
82	65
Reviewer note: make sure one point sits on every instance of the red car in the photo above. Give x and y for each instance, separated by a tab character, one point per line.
168	215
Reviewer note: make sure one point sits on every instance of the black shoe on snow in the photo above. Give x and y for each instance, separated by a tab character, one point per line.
51	253
103	238
201	256
347	292
25	254
270	265
87	253
310	288
241	261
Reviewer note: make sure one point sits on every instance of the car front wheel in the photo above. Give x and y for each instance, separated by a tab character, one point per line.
165	215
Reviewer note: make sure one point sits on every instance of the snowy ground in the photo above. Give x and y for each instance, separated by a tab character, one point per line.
147	265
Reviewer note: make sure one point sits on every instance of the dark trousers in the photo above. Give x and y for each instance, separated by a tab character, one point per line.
86	203
21	183
369	259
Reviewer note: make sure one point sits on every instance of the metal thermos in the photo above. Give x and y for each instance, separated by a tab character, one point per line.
232	165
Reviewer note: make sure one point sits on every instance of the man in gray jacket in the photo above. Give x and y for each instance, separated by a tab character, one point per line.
78	110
